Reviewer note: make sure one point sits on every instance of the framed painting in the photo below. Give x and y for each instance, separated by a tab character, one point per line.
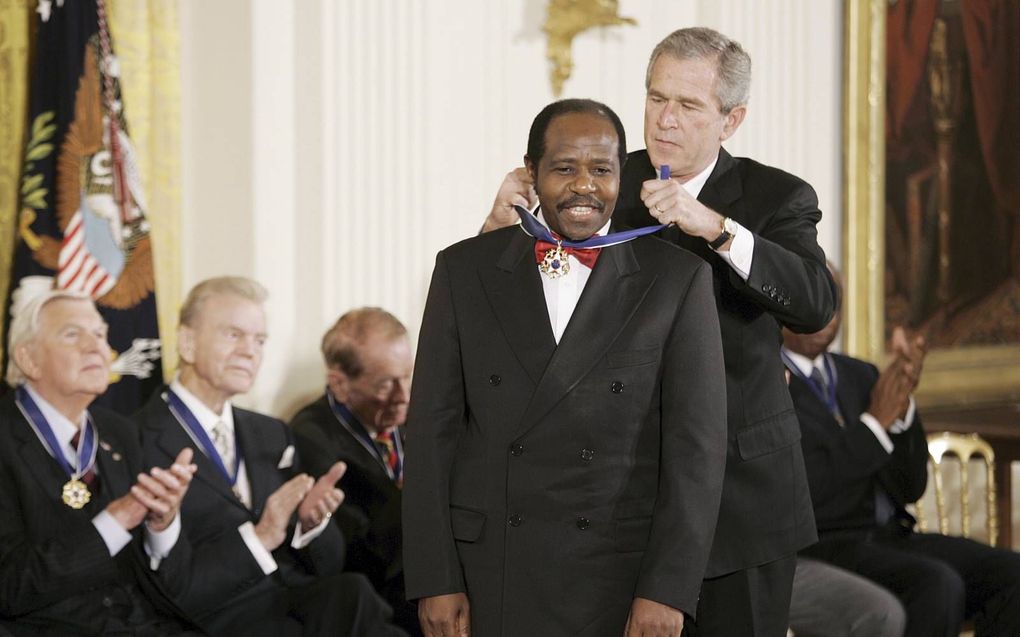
931	181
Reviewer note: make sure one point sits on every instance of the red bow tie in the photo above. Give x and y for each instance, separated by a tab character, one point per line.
587	256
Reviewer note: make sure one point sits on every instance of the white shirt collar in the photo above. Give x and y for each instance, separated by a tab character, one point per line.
694	185
63	429
205	416
803	363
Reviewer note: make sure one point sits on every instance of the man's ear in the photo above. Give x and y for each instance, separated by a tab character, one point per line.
733	121
339	384
532	169
24	357
186	344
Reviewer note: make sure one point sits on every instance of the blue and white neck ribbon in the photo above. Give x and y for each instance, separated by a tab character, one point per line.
534	228
352	425
198	434
826	395
86	453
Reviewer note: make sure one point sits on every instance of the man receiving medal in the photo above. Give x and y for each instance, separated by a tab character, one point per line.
566	431
88	544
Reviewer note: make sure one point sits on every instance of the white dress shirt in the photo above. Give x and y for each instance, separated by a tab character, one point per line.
563	292
207	418
158	544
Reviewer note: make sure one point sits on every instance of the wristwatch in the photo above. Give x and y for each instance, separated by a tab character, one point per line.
729	230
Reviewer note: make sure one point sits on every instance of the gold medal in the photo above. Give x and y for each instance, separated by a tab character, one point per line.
555	263
75	493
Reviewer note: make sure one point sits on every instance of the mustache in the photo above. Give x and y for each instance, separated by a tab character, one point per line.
580	200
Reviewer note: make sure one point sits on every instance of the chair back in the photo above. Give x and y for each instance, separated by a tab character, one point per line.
964	447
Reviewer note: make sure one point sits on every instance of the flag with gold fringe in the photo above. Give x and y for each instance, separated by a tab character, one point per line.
81	220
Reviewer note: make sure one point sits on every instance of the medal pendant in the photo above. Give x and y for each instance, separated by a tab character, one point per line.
555	263
75	493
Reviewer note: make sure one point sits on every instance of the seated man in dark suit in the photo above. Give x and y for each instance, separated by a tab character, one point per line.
357	420
88	545
254	569
866	457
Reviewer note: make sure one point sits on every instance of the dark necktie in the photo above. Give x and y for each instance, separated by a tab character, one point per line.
819	379
587	256
90	476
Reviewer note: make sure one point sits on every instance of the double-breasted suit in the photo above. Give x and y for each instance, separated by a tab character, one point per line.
227	583
766	507
555	483
56	573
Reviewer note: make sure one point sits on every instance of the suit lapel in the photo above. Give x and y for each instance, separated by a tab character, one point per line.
251	446
613	293
723	186
113	471
173	438
41	464
515	292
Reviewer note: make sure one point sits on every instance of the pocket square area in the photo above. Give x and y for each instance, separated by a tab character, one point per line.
287	459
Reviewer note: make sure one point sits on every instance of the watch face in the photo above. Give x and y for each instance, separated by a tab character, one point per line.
730	226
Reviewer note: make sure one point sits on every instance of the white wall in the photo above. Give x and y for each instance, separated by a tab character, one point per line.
332	147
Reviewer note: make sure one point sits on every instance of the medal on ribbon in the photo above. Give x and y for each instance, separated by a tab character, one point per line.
75	493
555	264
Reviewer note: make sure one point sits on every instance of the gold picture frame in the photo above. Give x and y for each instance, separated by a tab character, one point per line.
952	377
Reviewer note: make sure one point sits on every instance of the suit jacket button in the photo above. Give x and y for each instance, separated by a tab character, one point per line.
583	523
516	449
587	455
616	387
107	601
495	380
515	520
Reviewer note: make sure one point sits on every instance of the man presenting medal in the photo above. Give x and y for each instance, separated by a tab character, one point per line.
566	433
75	556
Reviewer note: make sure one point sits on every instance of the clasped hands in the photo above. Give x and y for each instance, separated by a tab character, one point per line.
890	396
156	496
314	501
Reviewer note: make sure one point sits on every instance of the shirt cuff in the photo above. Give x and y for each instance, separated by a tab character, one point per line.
301	540
158	544
259	552
876	428
740	253
903	424
113	534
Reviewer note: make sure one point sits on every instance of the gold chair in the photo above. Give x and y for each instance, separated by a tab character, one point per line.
964	447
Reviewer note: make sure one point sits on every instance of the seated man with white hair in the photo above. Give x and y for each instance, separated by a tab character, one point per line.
88	544
266	559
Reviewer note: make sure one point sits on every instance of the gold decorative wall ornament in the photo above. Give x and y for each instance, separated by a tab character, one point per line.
565	20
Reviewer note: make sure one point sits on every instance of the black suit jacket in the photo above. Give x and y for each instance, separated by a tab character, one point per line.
845	465
227	584
555	483
766	506
370	514
56	573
